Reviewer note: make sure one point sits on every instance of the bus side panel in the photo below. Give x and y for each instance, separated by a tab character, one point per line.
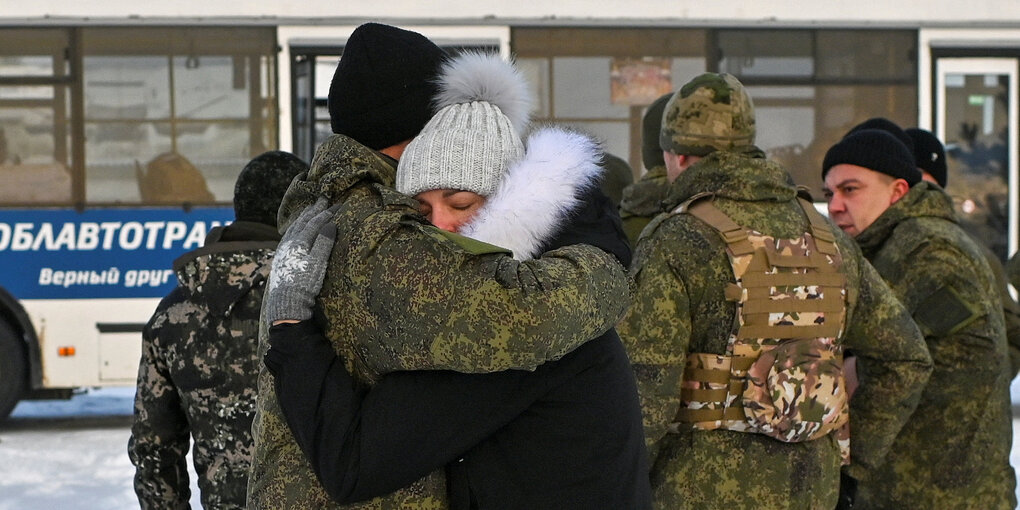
90	280
89	342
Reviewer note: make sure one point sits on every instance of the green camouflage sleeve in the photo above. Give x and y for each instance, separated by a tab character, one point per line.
1011	313
487	312
1012	268
159	441
1010	310
656	332
893	367
969	350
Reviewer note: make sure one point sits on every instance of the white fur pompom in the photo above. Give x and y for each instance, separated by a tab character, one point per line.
538	192
476	76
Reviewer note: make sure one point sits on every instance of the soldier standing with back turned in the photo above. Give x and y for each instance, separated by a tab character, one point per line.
200	362
642	200
739	267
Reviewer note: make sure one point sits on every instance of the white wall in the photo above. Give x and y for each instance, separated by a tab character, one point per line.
911	12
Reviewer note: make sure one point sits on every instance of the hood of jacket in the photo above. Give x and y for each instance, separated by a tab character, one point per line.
740	175
924	200
551	198
235	259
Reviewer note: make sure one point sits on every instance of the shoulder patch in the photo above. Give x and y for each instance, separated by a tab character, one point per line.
944	313
472	246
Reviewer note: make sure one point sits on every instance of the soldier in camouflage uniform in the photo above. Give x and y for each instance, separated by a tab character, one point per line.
400	294
199	365
642	200
954	450
683	305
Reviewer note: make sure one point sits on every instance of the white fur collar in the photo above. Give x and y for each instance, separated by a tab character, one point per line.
538	192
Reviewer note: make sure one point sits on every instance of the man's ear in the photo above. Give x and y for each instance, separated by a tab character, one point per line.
900	188
396	150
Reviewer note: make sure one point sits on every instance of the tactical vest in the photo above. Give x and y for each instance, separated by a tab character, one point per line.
782	374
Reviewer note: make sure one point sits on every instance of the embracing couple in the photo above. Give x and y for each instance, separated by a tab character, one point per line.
443	302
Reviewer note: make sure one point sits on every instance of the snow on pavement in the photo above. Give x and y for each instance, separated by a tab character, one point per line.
73	454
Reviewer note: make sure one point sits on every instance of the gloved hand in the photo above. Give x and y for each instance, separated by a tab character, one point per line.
300	264
847	492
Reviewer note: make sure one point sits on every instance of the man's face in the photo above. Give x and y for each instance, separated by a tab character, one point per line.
857	196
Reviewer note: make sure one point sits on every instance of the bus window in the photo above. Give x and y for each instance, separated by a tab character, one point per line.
35	165
205	106
32	168
119	149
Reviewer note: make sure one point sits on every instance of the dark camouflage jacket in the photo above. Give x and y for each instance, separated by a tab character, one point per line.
198	373
401	294
954	450
681	270
1010	308
642	201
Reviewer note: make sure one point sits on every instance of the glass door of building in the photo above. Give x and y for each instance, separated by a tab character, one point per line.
976	118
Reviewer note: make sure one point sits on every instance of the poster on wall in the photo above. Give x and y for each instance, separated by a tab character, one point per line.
639	81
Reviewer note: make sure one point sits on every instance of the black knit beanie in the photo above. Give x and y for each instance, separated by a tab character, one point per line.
651	124
876	150
884	124
260	186
382	90
929	154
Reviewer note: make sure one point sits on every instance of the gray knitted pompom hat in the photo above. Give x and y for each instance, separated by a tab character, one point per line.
475	135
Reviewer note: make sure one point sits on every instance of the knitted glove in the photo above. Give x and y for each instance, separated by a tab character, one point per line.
300	264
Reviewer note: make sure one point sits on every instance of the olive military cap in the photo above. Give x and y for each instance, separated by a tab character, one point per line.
710	113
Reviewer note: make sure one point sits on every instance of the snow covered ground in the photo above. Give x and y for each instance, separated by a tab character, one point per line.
73	454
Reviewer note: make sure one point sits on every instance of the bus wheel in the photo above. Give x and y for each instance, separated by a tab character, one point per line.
12	369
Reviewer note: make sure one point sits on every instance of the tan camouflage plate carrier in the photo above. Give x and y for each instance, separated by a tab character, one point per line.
782	374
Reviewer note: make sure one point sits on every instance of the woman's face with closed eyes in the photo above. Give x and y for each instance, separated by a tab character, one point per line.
449	209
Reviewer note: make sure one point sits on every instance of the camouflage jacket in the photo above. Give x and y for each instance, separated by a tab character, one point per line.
681	271
642	201
198	373
402	295
954	450
1010	308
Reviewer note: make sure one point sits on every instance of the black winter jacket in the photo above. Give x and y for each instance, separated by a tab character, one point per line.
566	436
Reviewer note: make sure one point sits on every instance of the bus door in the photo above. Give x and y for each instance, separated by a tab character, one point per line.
976	117
312	63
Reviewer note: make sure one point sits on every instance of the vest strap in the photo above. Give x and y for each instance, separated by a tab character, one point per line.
703	394
697	415
782	331
793	280
821	229
733	234
823	304
717	376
